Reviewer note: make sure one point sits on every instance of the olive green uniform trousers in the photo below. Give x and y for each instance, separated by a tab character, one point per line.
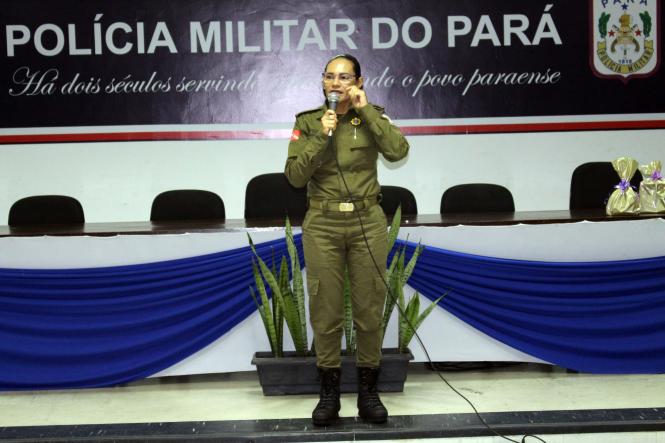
333	239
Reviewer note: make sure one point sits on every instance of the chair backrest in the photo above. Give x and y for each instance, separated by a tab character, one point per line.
187	204
393	196
46	210
271	195
477	197
592	183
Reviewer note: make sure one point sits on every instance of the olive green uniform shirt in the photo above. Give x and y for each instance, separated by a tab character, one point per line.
360	136
334	241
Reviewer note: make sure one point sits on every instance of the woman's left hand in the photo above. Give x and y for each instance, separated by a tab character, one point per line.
357	97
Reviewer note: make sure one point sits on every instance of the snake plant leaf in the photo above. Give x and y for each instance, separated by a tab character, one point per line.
399	287
298	285
262	313
408	333
427	311
412	311
260	286
290	312
293	322
286	305
278	321
392	295
408	318
391	268
412	263
265	311
413	308
394	228
283	275
279	314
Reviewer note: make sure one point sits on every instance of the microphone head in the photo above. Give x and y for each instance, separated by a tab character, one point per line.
333	100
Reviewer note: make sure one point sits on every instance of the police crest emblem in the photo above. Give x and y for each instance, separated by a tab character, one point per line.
626	37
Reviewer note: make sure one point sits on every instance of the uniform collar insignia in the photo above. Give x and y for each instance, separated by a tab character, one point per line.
355	121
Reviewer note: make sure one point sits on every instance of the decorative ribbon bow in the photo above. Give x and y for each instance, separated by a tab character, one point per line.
623	185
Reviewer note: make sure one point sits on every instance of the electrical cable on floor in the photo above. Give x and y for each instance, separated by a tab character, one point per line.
403	315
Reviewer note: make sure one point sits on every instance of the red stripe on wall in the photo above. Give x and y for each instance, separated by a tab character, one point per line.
533	127
285	134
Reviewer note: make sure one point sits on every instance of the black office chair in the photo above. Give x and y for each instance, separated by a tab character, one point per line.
187	204
592	183
477	197
393	196
272	196
46	210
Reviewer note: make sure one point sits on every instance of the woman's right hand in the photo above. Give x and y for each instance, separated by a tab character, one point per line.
328	121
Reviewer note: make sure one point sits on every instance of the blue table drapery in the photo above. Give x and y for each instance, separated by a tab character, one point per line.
72	328
94	327
598	317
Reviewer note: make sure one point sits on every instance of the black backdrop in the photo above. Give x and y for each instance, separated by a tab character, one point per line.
274	84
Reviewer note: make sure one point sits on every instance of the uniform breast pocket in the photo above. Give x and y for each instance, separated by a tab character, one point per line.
359	139
363	151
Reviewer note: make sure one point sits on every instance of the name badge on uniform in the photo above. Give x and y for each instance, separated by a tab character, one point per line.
355	121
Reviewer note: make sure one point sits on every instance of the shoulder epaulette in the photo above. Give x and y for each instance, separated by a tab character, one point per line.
309	111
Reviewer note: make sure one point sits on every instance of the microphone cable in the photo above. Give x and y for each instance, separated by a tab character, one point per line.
404	316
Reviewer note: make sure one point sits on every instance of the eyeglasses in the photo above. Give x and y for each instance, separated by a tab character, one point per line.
329	77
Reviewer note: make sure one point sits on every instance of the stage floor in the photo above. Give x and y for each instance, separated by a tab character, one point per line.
515	398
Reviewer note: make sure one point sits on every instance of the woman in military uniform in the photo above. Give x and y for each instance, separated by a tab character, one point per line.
328	149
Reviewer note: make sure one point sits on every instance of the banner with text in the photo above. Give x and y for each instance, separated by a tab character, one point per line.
220	62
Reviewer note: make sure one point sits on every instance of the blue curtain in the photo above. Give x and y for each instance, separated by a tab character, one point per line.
103	326
598	317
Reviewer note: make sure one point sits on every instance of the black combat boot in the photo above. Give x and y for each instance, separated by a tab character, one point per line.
327	410
370	407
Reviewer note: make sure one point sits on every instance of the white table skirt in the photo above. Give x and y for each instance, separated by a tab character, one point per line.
446	337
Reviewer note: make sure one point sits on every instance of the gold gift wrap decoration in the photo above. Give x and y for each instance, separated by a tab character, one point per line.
624	199
652	188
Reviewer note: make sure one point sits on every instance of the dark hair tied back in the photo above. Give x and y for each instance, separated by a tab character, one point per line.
349	57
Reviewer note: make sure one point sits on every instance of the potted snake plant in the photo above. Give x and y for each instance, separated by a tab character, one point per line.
294	372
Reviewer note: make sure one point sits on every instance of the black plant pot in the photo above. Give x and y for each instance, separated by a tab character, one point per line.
298	375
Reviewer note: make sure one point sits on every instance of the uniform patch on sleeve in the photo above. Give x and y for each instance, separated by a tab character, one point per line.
295	135
387	118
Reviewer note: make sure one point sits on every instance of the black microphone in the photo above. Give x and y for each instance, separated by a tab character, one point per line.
333	101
